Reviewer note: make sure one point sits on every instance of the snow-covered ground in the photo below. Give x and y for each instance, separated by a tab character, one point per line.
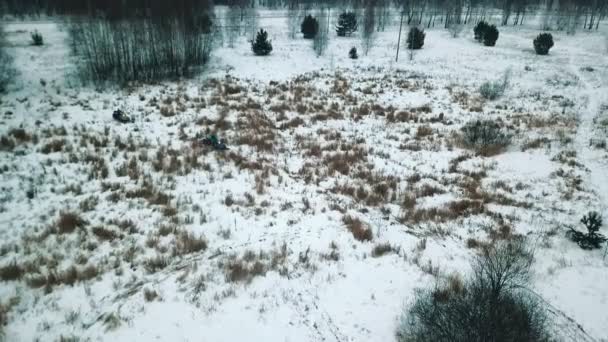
137	232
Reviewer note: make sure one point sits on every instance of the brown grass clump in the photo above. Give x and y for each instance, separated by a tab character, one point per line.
69	276
150	295
12	271
383	249
68	222
104	234
55	145
156	263
342	162
187	243
20	135
427	190
359	229
451	211
423	131
241	270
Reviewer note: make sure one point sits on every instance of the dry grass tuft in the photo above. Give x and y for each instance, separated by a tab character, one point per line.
69	276
156	263
360	230
55	145
68	222
104	234
150	295
12	271
187	243
381	249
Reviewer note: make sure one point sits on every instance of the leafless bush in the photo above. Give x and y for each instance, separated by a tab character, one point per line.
11	271
492	305
69	276
187	243
103	233
485	136
5	308
150	295
360	230
55	145
68	222
243	270
455	29
156	263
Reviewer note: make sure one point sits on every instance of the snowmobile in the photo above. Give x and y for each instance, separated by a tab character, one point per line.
214	142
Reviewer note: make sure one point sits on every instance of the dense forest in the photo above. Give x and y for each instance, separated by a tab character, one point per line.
586	13
147	40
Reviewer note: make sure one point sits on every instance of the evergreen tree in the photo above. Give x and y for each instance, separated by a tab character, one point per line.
479	30
310	27
352	54
543	43
261	46
490	36
415	38
347	24
593	239
37	39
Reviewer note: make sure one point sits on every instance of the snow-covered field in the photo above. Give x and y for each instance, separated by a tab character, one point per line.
137	232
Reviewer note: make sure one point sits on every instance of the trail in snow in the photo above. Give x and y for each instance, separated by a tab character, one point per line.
594	94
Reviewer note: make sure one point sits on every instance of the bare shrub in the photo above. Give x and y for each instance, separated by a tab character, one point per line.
150	295
69	276
423	131
11	271
493	90
187	243
156	263
360	230
55	145
242	270
103	233
382	249
68	222
492	305
485	136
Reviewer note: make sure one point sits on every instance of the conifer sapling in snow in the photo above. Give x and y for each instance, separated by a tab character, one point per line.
347	24
37	39
415	38
593	239
543	43
352	54
310	27
490	36
479	30
261	46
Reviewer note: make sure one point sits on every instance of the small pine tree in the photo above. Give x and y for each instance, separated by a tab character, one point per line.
353	53
347	24
479	30
593	239
261	46
543	43
490	36
415	38
310	27
37	39
592	221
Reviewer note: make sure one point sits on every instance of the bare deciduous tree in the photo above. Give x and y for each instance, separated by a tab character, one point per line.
369	25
